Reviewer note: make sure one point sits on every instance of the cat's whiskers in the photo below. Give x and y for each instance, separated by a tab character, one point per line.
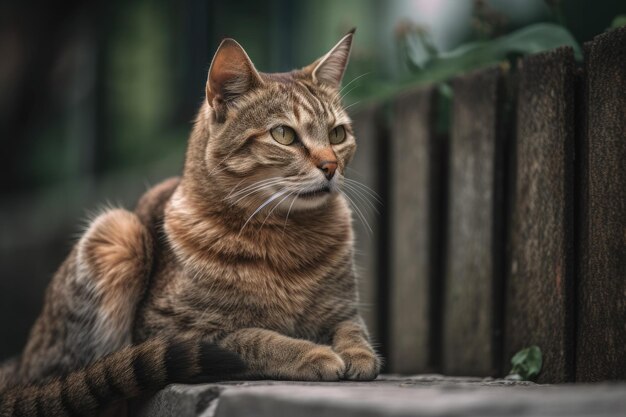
278	204
358	173
221	162
217	171
257	189
295	191
348	84
358	211
233	194
234	188
292	201
353	104
268	201
289	211
347	92
367	189
254	184
362	189
361	196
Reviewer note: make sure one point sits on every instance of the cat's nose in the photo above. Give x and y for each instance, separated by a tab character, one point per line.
328	168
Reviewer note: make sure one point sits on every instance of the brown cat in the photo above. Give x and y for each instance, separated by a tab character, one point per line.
249	255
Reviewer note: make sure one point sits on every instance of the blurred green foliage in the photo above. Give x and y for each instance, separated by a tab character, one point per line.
618	21
427	65
433	66
142	97
526	364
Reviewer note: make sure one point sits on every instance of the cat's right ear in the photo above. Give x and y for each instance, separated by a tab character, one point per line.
231	74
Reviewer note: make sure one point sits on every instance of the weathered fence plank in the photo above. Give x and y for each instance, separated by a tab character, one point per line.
601	333
473	266
365	168
412	156
540	284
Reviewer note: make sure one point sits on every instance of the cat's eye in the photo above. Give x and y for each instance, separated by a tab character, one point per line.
337	135
283	134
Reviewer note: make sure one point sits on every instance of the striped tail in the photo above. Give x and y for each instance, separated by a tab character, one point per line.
125	374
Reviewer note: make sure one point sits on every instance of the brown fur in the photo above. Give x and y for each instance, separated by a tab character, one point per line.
117	246
120	375
252	250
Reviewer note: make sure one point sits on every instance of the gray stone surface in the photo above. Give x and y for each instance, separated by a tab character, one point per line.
422	395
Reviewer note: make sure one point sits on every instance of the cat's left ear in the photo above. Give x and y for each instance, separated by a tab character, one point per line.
330	68
231	75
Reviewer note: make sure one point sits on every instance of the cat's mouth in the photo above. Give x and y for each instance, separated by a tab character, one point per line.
315	193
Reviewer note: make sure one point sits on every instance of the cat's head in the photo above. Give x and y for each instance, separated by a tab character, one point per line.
280	139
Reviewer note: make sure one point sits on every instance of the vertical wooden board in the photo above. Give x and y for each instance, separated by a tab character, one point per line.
471	269
540	284
365	168
601	333
412	136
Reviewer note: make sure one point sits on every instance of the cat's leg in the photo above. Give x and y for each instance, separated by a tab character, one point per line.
269	354
351	342
90	304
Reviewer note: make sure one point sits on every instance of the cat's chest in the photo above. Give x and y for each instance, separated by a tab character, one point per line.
242	296
230	294
272	278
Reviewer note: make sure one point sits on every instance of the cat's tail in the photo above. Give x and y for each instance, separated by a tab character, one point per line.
125	374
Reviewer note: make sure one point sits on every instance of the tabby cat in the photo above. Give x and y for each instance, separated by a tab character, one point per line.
242	268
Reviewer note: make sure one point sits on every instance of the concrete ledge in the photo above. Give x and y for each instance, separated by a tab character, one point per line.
425	395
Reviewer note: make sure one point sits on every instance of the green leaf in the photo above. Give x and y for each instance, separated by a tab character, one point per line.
529	40
618	21
430	67
527	363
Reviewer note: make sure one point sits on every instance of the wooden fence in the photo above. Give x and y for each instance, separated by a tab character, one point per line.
509	230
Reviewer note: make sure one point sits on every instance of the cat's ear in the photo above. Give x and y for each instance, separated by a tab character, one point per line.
231	74
330	68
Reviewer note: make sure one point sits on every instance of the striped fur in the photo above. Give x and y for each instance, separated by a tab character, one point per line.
250	250
124	374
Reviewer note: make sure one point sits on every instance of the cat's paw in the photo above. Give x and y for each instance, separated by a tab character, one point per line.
321	364
361	364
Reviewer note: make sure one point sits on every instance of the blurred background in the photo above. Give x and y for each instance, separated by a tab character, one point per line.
96	98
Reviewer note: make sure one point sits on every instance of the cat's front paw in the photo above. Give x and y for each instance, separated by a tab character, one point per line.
321	364
361	364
